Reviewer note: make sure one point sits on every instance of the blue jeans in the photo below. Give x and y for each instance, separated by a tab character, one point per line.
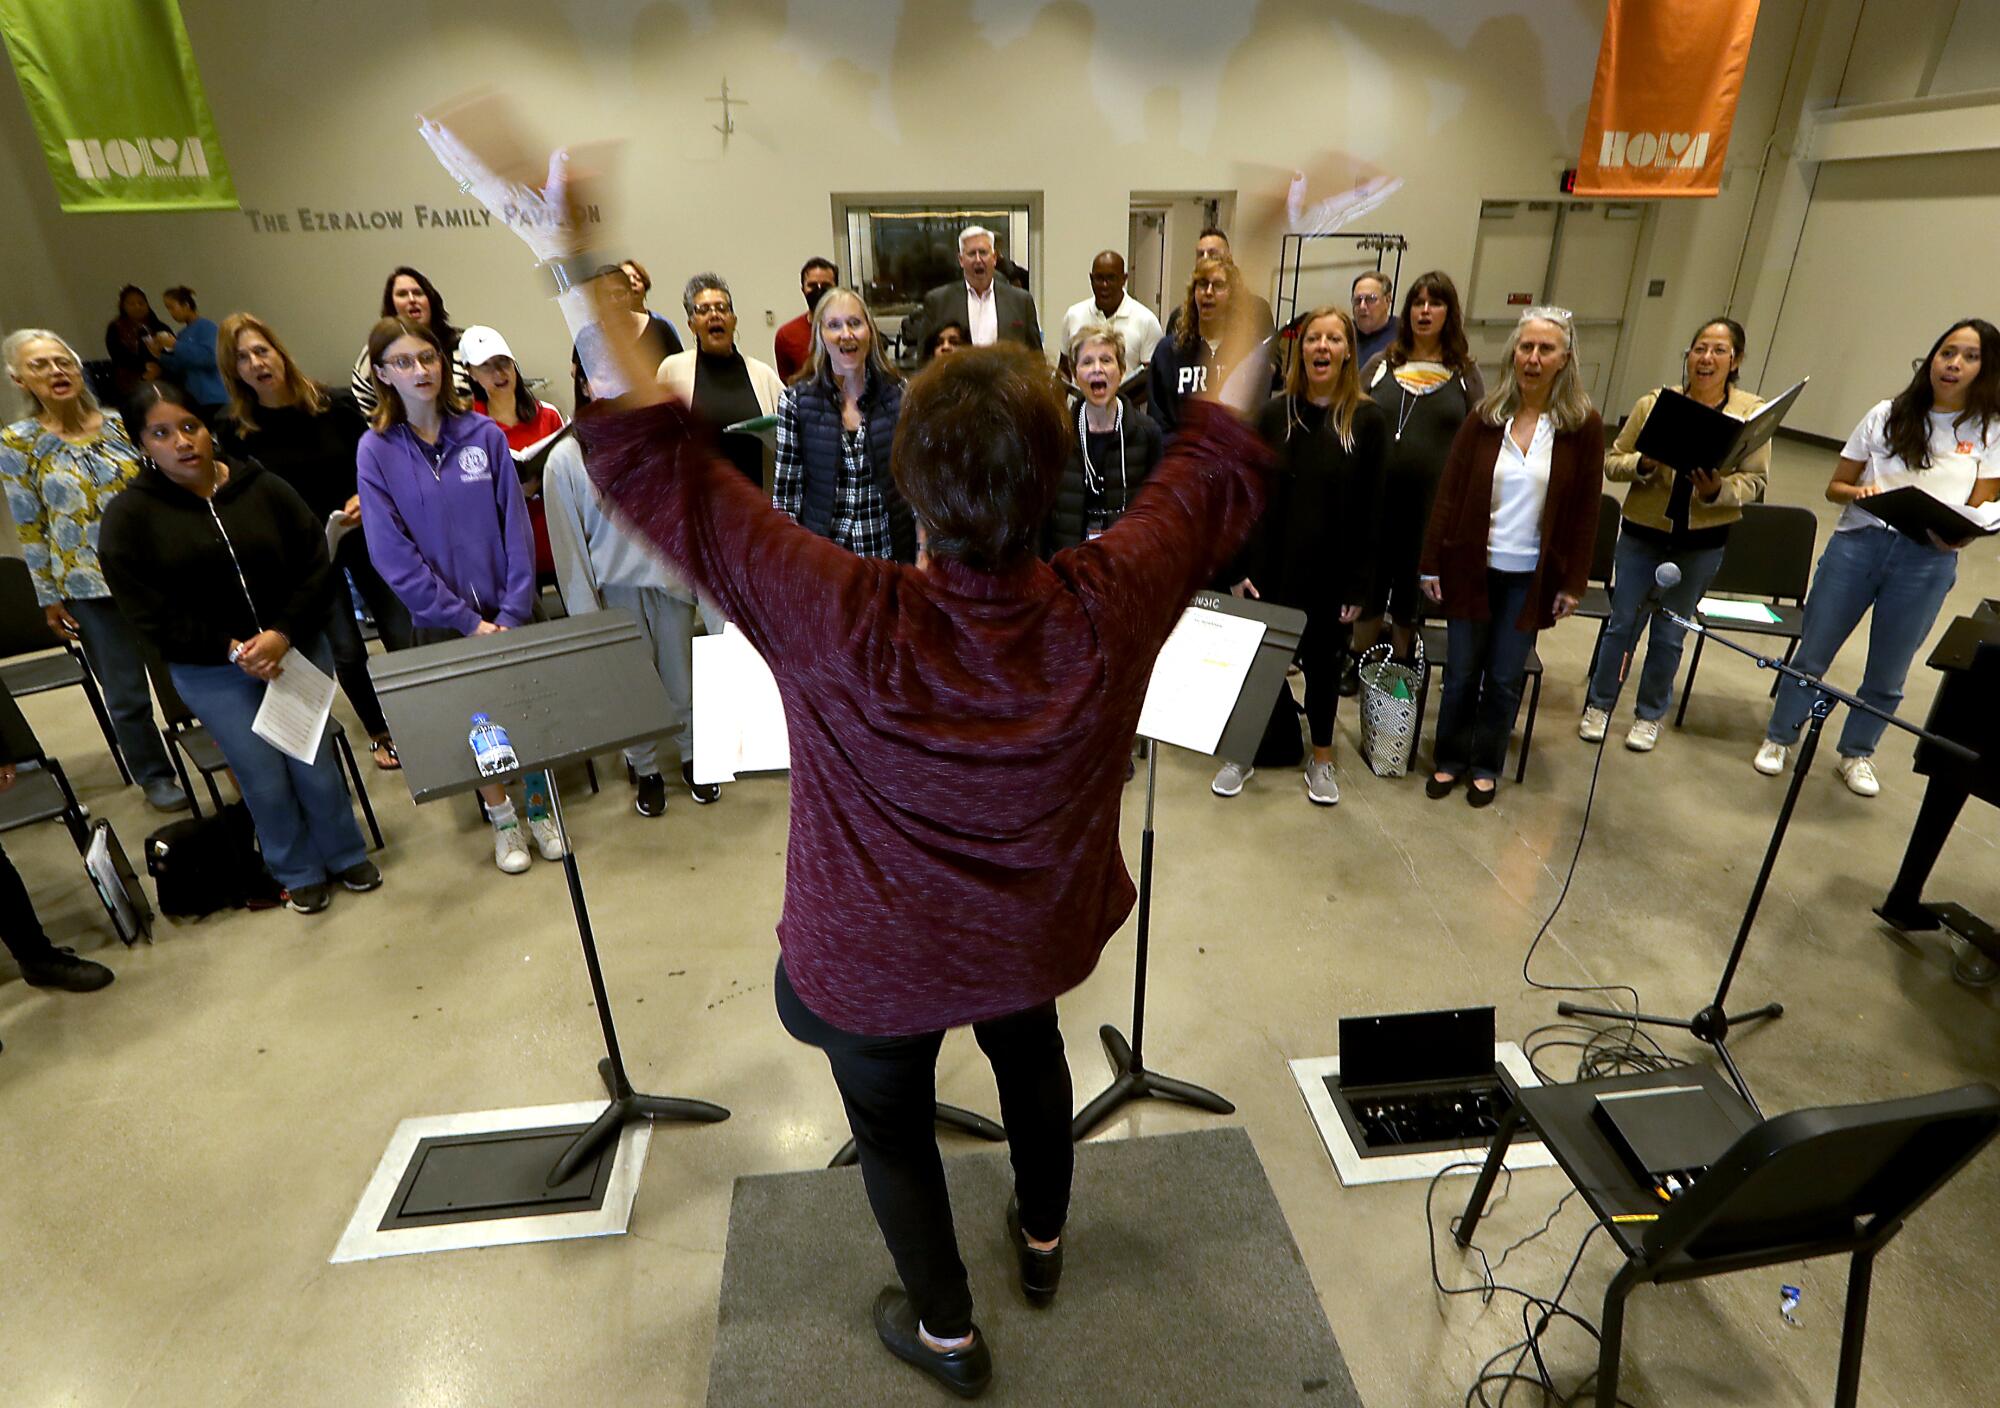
305	821
1632	578
1906	582
1485	664
119	661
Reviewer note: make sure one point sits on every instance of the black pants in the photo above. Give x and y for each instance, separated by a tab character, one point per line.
1321	653
889	1086
343	633
20	927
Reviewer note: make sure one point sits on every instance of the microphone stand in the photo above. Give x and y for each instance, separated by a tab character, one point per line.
1712	1023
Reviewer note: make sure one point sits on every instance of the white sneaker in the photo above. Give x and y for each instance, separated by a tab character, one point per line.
1859	775
1643	734
1593	725
510	848
1320	786
547	839
1770	759
1229	779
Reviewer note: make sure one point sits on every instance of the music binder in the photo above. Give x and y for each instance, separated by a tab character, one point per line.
1916	514
1680	431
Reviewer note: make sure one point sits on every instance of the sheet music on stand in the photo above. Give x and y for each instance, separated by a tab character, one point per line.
1198	677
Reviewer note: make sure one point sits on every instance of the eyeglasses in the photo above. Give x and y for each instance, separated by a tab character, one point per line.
1211	286
407	363
52	364
713	310
1367	300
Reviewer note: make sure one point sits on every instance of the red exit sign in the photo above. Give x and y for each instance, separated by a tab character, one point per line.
1520	300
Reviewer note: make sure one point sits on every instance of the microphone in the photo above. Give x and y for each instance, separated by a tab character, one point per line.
1666	577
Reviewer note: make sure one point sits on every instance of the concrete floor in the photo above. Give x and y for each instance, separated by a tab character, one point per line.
184	1149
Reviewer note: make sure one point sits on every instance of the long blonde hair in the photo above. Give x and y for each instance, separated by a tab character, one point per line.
1188	331
1569	403
1346	382
300	390
819	368
10	352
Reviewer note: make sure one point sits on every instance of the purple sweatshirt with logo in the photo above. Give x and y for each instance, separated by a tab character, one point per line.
447	526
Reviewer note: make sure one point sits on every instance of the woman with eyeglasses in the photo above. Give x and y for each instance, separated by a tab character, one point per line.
1940	434
307	435
448	530
224	569
62	465
1204	345
1510	540
836	432
1669	517
723	386
408	295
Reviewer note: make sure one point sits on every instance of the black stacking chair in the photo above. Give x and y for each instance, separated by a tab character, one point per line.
41	790
1434	656
1596	603
34	664
189	742
1812	1183
1769	558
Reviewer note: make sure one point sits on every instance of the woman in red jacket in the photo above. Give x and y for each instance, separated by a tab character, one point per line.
1509	544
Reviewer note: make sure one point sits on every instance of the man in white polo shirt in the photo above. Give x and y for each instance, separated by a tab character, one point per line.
1132	320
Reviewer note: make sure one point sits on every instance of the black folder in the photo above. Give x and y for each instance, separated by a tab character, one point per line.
1915	514
1682	432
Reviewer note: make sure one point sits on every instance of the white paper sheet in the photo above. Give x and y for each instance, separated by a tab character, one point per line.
739	717
337	527
1723	609
1197	677
293	716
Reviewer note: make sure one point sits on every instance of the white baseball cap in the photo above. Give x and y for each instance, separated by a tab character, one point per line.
480	343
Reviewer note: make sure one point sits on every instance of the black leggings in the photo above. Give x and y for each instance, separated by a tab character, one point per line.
889	1086
1322	651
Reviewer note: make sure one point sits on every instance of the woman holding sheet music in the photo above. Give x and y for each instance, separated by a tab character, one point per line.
1940	434
1669	517
223	569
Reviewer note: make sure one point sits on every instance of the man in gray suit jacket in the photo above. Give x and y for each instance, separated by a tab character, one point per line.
990	308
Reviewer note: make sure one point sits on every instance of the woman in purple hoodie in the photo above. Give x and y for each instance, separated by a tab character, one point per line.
448	529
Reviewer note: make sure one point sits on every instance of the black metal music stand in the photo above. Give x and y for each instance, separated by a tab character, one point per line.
1251	714
1712	1023
564	691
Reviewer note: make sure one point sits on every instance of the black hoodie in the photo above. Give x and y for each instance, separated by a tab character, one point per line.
171	558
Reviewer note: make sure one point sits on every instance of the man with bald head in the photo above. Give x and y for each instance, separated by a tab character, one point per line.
1132	320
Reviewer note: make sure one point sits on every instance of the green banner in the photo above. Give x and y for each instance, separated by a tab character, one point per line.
114	93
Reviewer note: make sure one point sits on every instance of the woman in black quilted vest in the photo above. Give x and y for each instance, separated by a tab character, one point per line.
836	427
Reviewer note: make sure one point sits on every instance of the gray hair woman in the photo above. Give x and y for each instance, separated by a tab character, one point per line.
1114	447
62	463
1510	540
723	386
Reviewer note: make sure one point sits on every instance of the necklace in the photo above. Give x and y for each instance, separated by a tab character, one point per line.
1092	480
1404	410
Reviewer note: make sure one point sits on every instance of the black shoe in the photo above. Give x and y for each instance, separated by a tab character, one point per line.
1041	1271
360	878
966	1372
1435	789
63	969
1479	798
702	792
308	899
652	799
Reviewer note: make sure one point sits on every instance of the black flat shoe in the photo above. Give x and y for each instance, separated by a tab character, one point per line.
1434	789
1482	799
966	1372
1041	1271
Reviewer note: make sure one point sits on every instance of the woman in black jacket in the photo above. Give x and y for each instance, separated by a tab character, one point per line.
306	434
224	570
1114	450
1315	546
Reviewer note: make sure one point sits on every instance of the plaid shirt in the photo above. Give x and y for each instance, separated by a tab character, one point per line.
860	518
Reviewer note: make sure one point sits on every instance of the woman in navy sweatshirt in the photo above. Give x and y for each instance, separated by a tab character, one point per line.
223	568
448	529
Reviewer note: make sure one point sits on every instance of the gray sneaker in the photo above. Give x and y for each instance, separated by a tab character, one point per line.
1229	779
1320	786
166	796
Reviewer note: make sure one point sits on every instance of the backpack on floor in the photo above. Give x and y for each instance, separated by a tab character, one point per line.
207	863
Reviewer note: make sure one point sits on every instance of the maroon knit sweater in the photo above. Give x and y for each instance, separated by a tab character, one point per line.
958	737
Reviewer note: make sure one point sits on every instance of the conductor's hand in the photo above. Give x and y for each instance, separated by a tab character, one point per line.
1246	587
1566	604
539	199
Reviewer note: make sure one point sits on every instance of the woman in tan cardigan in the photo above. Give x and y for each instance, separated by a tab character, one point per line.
1508	548
1679	518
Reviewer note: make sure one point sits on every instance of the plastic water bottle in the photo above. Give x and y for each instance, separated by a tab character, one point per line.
490	748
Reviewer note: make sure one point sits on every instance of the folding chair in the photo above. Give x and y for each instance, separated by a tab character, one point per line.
1812	1183
1435	637
41	790
1596	603
188	741
1770	557
24	631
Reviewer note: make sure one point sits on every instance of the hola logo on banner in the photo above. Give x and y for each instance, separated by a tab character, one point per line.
1668	76
147	157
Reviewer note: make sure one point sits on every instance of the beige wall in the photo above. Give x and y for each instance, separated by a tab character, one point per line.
1084	103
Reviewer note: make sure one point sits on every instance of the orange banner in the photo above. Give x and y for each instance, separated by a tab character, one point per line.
1668	76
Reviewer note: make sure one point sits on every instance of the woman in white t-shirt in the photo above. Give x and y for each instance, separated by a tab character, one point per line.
1941	434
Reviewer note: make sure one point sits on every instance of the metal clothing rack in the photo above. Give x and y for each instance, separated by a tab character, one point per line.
1292	257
